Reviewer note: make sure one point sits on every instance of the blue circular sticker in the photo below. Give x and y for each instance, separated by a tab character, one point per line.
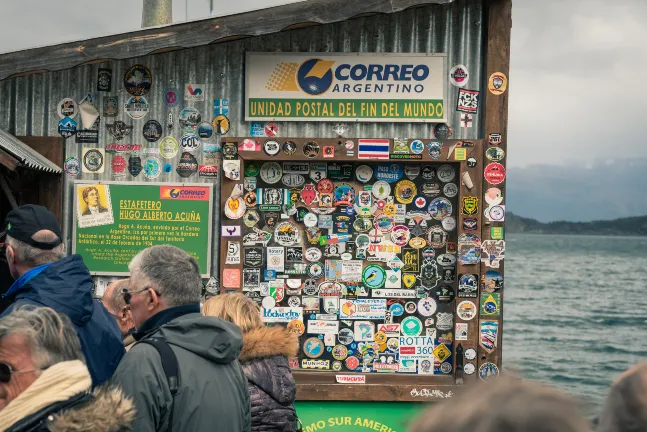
396	309
417	147
389	173
168	168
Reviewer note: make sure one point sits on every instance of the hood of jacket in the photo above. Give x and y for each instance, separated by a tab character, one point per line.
65	286
268	342
110	410
214	339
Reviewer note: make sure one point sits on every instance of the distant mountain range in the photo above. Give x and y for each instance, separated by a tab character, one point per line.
607	190
625	226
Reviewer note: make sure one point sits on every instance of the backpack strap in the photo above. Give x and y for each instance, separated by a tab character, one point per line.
170	366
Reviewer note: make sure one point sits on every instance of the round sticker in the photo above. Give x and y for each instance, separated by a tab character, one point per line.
446	367
205	130
168	168
436	237
220	124
294	301
442	131
444	294
469	368
271	172
428	172
494	196
286	234
313	347
396	309
417	147
381	189
496	213
466	310
190	118
311	149
450	190
411	326
352	363
373	276
169	147
427	306
268	302
138	80
362	224
73	166
446	173
470	354
67	108
152	130
417	243
189	142
152	167
346	336
313	254
362	241
310	220
136	107
296	327
488	371
471	162
93	160
449	223
440	208
170	97
384	224
405	191
390	210
235	208
498	83
494	173
410	307
495	154
271	147
289	148
420	202
250	199
364	173
315	270
339	352
400	235
459	76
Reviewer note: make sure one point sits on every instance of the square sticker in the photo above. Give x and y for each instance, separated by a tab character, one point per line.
468	101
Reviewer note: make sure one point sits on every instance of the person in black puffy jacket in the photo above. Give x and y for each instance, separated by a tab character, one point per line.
264	359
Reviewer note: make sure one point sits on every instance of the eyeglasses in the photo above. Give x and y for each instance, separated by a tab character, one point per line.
6	371
128	295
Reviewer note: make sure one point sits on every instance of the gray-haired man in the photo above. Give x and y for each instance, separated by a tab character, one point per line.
164	298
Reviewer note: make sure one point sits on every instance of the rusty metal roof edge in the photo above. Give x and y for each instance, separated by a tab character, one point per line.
194	33
27	155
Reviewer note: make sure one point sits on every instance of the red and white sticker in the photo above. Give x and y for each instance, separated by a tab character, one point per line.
351	379
271	130
494	173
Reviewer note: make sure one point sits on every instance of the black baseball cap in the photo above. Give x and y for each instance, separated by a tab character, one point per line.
22	223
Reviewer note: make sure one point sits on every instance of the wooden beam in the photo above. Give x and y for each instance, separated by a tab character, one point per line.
8	161
499	15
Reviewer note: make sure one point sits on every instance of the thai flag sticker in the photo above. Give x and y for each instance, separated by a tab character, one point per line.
373	149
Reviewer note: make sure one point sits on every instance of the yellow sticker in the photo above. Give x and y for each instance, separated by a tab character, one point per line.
390	210
409	280
497	83
380	337
441	352
460	154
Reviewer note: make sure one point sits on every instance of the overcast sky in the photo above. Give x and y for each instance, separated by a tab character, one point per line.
576	91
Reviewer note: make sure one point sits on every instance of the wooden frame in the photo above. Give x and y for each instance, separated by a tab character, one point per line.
391	387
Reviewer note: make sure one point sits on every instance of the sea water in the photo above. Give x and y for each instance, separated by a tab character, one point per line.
575	310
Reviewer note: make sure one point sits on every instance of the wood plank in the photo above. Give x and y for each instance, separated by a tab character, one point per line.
496	121
8	161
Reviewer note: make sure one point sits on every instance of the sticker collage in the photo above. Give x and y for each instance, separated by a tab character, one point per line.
368	249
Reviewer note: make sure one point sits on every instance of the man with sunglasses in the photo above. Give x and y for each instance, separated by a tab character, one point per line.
44	276
183	373
113	300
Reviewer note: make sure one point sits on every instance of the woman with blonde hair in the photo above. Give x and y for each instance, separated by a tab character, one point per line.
264	359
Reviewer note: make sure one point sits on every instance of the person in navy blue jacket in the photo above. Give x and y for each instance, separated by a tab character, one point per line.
44	276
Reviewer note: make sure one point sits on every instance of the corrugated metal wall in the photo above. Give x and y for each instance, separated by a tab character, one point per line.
27	105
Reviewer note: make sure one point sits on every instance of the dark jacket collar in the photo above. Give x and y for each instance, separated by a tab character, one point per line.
159	319
36	421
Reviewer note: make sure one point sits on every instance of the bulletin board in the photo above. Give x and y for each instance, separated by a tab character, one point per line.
369	250
113	221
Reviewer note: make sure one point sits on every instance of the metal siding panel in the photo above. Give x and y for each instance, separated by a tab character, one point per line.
27	103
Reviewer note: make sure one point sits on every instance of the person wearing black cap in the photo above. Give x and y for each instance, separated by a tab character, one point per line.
44	276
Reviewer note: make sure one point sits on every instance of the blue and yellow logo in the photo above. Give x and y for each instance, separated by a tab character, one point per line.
314	77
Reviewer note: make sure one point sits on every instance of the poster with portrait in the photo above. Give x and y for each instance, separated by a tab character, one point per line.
93	205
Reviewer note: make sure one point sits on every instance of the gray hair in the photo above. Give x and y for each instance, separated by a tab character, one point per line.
50	336
625	407
31	256
174	272
116	300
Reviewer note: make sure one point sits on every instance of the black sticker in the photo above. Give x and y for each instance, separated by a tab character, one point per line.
87	136
294	254
104	80
188	165
134	165
253	256
152	130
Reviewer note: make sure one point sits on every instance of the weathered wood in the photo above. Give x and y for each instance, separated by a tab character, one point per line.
496	121
8	161
195	33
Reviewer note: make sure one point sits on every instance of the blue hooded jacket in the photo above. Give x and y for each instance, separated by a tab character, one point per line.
66	286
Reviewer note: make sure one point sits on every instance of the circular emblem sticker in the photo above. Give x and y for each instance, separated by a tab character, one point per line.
171	97
496	213
494	196
417	243
494	173
235	208
190	142
138	80
315	270
152	167
428	172
471	162
466	310
205	130
442	131
373	276
495	154
364	173
310	220
136	107
311	149
251	170
93	160
440	208
384	223
271	172
339	352
381	189
289	148
346	336
296	327
417	147
470	354
352	363
271	147
446	173
152	130
286	234
469	368
436	237
450	190
498	83
459	76
313	347
220	124
411	326
169	147
190	118
400	235
449	223
73	166
427	306
313	254
67	108
405	191
488	371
